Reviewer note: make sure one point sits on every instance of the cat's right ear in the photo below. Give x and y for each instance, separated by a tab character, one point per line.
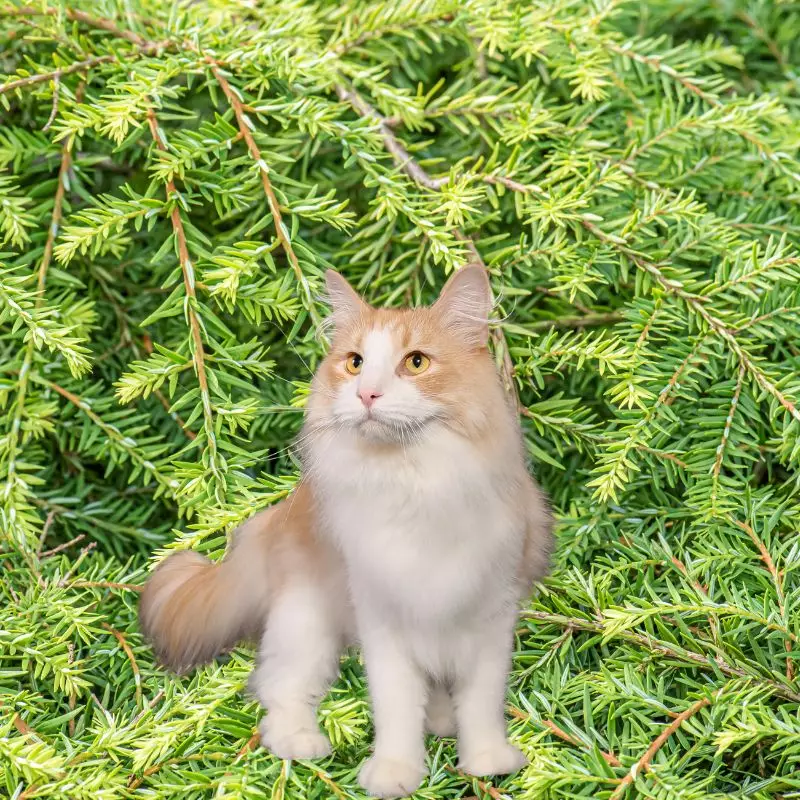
346	304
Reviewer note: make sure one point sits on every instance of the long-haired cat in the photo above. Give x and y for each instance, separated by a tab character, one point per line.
415	531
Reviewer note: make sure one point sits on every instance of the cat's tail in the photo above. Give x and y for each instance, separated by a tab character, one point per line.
193	609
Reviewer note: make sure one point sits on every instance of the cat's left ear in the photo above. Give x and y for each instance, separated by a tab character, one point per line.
465	304
346	304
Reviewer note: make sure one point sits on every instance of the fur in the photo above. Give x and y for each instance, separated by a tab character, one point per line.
416	531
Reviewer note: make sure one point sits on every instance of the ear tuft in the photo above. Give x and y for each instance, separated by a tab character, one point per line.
465	304
346	304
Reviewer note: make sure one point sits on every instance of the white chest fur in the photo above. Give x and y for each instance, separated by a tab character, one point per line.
428	533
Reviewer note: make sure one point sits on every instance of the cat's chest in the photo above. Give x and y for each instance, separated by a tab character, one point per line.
440	486
423	530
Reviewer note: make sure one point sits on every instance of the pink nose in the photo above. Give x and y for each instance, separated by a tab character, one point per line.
368	396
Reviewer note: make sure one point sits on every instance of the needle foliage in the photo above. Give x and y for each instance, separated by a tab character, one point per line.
175	177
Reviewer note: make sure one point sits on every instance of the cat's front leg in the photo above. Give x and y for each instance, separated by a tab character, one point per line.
398	691
479	694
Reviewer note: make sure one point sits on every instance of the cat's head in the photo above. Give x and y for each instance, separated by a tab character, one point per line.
390	374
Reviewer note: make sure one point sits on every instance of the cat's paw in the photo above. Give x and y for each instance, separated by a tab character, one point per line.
384	777
500	759
293	743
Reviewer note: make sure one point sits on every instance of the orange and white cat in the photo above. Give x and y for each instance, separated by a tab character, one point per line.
415	532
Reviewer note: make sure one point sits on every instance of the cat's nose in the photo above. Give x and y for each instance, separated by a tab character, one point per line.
369	396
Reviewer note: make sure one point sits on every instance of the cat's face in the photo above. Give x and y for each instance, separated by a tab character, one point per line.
392	373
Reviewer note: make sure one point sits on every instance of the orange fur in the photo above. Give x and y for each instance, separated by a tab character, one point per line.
192	609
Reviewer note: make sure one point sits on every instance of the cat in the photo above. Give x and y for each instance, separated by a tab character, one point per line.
415	531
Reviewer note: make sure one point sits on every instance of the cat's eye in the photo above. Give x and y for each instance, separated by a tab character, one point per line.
353	363
417	362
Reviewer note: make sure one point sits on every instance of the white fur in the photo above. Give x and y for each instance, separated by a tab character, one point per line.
430	542
298	658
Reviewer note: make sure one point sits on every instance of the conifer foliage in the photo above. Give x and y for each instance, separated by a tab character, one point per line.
174	180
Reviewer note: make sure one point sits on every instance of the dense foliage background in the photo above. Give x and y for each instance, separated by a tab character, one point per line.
174	179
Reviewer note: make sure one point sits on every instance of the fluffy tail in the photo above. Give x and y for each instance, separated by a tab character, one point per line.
192	609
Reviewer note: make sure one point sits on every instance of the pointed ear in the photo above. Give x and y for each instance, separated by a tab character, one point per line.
346	304
465	304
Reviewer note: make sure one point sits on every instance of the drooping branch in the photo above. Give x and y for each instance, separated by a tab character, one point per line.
112	432
187	270
697	304
74	14
393	145
663	648
406	162
245	129
657	64
78	66
44	265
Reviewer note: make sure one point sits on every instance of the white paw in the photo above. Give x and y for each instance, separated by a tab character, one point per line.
384	777
293	743
500	759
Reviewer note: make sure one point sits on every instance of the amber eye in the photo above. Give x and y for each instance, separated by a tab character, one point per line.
417	362
353	363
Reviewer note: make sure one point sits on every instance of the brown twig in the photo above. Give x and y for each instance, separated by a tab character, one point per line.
726	432
661	454
272	201
112	432
643	764
515	186
47	553
685	572
330	783
775	574
189	285
393	145
609	758
131	587
582	321
249	745
7	584
74	566
54	109
123	643
23	729
157	698
486	788
73	699
45	530
654	62
56	76
759	31
78	16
